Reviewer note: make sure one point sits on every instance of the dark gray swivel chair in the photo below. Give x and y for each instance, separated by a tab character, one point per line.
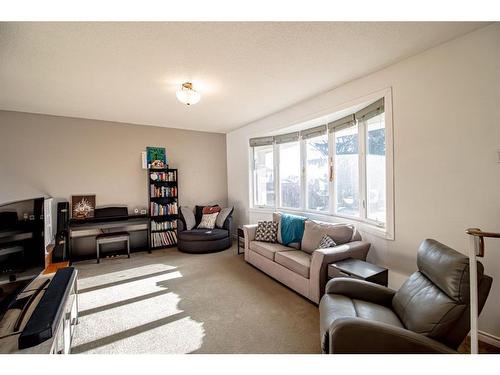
201	241
430	313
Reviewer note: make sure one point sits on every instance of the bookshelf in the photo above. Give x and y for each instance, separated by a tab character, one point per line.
163	208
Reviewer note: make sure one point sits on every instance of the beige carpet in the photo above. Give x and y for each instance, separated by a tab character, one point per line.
170	302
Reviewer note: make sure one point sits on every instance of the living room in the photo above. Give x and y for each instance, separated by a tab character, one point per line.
254	188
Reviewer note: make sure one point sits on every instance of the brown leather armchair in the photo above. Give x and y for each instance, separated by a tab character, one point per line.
428	314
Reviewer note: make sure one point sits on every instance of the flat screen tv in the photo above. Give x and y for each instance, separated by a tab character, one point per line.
25	231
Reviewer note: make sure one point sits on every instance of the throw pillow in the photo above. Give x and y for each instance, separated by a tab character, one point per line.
198	212
210	209
188	216
266	231
208	221
326	242
223	215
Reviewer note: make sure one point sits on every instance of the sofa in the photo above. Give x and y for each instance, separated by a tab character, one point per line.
430	313
304	267
200	241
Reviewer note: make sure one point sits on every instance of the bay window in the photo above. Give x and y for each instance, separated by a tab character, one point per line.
263	172
316	169
289	170
338	169
346	168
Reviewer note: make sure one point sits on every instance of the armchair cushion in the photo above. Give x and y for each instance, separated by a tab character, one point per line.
336	306
203	234
224	213
426	309
187	216
361	289
345	336
446	268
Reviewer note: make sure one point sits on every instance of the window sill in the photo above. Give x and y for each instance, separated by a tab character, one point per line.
363	226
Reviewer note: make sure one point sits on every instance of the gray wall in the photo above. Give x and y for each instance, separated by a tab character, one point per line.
61	156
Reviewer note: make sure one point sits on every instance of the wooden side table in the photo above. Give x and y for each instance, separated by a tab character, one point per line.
358	269
241	236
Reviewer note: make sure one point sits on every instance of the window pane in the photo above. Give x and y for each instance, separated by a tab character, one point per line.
290	174
375	168
263	176
317	173
346	172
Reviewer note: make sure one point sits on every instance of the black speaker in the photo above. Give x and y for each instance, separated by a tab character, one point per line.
61	247
62	216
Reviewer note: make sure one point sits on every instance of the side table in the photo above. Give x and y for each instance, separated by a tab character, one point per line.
241	236
358	269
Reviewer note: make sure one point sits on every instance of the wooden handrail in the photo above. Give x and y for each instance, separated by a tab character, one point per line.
479	233
476	232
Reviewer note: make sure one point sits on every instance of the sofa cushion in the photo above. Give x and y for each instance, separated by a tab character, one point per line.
336	306
267	249
203	234
295	260
314	232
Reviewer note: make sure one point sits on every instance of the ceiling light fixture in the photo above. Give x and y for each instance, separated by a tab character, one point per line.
187	95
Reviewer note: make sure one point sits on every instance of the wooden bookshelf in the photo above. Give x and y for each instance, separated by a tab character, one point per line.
163	198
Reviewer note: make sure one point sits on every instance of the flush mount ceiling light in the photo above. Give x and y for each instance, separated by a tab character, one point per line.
187	95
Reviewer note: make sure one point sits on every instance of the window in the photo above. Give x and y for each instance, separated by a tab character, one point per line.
317	173
346	171
263	181
338	169
375	168
289	172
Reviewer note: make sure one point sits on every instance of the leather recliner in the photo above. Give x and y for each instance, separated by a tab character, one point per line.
430	313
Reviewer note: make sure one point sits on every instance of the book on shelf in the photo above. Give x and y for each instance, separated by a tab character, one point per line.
163	239
163	225
170	176
156	209
163	191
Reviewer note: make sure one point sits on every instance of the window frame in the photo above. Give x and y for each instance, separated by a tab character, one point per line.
384	230
305	191
278	201
252	179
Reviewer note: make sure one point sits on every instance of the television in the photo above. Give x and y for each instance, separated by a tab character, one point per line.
25	232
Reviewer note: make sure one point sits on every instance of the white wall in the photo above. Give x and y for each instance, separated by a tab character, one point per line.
446	116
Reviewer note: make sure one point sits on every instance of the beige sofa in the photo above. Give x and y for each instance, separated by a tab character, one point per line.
305	270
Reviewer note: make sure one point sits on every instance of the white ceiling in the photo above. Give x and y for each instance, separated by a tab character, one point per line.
128	72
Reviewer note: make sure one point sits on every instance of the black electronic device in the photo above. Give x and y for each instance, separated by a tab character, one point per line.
62	216
60	252
47	314
22	246
110	212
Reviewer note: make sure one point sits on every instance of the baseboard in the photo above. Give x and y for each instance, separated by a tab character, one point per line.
489	338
